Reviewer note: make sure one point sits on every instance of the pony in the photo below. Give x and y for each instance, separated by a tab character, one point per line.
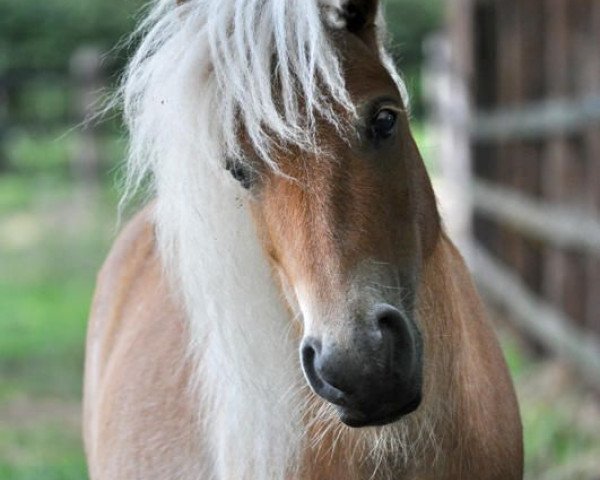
287	304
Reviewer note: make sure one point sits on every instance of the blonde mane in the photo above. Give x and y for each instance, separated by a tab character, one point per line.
202	70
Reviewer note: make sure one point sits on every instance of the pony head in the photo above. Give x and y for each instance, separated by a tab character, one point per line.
346	223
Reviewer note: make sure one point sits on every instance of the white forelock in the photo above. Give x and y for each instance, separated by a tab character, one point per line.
243	48
268	65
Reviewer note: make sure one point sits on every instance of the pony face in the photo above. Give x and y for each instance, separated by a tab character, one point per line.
344	230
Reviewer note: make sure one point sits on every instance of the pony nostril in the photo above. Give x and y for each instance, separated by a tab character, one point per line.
309	353
308	362
397	336
389	318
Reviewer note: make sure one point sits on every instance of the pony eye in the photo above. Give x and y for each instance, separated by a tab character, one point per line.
240	173
382	125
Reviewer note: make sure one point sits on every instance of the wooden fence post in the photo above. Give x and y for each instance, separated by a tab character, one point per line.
3	123
561	176
86	73
591	86
446	92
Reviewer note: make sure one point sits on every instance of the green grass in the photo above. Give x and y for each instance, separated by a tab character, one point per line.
53	152
53	237
42	328
46	285
44	323
43	452
561	426
19	192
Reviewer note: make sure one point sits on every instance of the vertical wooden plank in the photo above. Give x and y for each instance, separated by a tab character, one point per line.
579	37
563	285
3	122
591	86
485	93
576	293
518	38
556	149
447	76
520	80
86	75
460	15
509	90
527	172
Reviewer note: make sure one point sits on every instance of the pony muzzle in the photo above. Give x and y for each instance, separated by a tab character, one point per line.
373	376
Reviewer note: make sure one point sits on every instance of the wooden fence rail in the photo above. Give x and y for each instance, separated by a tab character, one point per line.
555	224
540	120
537	317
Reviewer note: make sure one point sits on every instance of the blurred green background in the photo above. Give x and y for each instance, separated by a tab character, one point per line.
57	221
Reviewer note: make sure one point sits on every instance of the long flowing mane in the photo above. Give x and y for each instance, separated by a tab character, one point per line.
204	69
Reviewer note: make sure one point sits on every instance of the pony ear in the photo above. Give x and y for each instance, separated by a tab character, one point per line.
360	17
359	14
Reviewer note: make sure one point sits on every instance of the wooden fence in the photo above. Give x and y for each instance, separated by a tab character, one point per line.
531	120
76	95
